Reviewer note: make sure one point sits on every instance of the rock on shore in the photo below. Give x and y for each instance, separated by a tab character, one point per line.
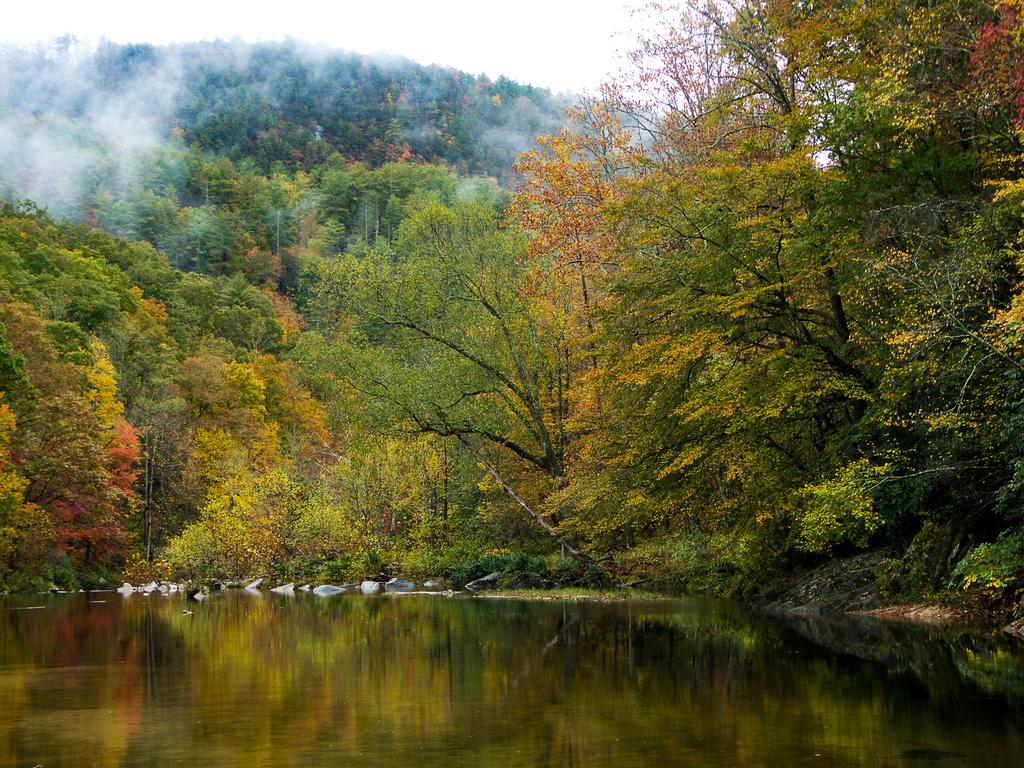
490	581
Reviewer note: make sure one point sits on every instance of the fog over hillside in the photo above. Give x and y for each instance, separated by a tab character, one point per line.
75	119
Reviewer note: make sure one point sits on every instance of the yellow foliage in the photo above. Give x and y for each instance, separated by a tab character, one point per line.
101	393
250	387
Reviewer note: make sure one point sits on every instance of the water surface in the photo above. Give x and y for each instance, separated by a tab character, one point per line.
267	680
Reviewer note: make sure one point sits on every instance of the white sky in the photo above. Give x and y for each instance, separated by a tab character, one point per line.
561	44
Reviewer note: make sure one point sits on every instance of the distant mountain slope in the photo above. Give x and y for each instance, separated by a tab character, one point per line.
73	119
282	103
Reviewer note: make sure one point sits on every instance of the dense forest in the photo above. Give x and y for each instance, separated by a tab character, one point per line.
755	305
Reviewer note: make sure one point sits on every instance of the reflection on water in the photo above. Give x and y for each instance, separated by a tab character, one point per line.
421	681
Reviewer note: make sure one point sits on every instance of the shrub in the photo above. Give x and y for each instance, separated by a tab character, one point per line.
994	567
338	569
370	562
841	509
510	565
193	553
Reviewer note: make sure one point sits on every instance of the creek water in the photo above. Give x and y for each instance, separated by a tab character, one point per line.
267	680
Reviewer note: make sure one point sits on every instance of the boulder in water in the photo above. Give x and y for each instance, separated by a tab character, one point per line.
434	584
369	587
126	589
490	581
304	588
254	585
284	589
151	587
399	585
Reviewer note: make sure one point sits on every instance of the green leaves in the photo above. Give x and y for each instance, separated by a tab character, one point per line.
442	335
994	567
841	509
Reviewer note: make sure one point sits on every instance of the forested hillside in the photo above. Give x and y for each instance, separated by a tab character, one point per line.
214	152
757	305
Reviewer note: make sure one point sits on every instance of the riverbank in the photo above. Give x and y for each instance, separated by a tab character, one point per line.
851	586
936	614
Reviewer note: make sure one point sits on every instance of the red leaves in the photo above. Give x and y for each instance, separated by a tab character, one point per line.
123	454
998	59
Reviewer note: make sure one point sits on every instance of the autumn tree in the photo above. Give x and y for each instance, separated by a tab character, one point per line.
445	341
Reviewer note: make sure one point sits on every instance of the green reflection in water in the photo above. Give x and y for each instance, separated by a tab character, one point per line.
262	680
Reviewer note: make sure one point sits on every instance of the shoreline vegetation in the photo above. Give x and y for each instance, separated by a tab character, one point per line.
747	322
